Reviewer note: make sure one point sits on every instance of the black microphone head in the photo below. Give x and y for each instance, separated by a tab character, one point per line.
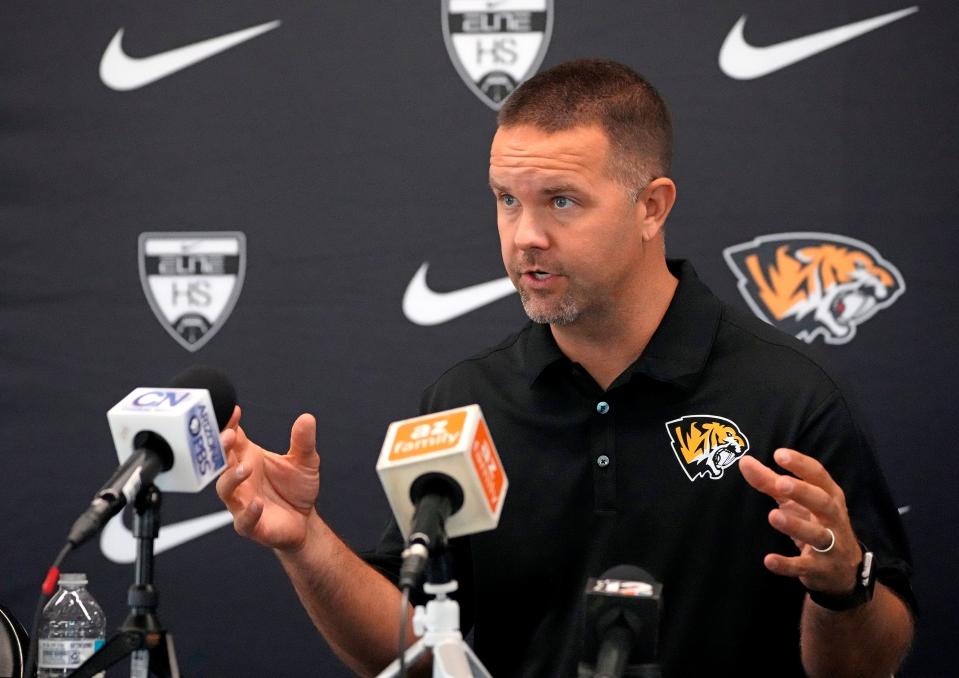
628	573
438	483
628	597
221	389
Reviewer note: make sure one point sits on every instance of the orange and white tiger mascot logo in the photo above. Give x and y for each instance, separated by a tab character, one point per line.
814	284
706	445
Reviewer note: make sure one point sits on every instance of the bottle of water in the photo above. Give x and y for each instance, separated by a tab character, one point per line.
72	628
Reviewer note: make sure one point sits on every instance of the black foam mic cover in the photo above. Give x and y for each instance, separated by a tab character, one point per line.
221	389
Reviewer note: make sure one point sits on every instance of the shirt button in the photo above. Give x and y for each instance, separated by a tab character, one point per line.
602	407
602	461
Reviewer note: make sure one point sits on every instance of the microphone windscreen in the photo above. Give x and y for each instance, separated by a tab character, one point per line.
628	573
221	389
624	596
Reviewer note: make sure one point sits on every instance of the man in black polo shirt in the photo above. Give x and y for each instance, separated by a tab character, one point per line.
632	415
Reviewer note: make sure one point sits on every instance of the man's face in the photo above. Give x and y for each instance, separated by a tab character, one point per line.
569	233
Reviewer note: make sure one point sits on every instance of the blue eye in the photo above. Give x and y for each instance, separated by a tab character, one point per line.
562	202
508	200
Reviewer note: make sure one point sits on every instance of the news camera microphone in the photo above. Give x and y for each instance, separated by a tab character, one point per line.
622	622
166	436
443	478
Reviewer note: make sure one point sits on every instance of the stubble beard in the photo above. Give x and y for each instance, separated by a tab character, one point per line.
544	308
565	311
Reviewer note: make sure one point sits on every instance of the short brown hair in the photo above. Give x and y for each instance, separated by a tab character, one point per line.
605	93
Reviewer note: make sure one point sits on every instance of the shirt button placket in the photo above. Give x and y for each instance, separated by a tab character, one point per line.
604	476
603	408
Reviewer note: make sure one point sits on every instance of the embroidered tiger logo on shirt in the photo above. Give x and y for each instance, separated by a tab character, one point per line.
814	284
706	445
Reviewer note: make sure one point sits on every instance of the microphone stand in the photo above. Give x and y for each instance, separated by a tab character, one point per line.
615	650
140	636
438	625
629	671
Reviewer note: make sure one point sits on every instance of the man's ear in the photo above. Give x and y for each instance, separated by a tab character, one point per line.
654	204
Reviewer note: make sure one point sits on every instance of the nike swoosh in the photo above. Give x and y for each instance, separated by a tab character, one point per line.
742	61
122	73
423	306
118	544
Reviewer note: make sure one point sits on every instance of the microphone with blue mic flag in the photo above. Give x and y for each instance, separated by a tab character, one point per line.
167	436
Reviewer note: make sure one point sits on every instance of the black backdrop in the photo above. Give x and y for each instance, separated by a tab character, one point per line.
345	146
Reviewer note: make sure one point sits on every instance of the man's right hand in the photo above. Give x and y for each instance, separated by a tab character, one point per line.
271	496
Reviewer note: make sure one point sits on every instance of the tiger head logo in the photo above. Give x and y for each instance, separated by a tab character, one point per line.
814	284
706	445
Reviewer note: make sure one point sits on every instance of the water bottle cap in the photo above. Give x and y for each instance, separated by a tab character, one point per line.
73	579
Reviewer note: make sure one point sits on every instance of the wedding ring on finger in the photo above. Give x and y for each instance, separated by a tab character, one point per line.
832	542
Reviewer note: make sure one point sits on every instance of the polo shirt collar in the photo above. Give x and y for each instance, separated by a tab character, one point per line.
679	348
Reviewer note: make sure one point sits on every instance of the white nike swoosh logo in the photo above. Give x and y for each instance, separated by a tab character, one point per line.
118	544
122	73
742	61
423	306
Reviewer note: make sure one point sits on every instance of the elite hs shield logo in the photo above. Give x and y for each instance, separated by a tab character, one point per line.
496	44
814	284
706	445
192	281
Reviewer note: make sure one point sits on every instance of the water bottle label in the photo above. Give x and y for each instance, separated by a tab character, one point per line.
140	664
66	653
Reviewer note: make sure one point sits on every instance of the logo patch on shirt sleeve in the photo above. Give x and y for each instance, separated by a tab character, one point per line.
706	445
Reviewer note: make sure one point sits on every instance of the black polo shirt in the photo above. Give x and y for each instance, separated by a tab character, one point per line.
645	473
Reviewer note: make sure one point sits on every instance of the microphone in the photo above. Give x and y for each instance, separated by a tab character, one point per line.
443	478
167	436
622	621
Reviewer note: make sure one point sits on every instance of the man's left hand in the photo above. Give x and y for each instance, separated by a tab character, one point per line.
809	501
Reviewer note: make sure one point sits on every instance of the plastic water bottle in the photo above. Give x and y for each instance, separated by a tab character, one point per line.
72	628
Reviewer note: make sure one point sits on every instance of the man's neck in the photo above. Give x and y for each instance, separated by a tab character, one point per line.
606	346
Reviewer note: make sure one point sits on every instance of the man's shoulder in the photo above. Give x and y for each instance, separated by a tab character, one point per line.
770	352
501	363
505	354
